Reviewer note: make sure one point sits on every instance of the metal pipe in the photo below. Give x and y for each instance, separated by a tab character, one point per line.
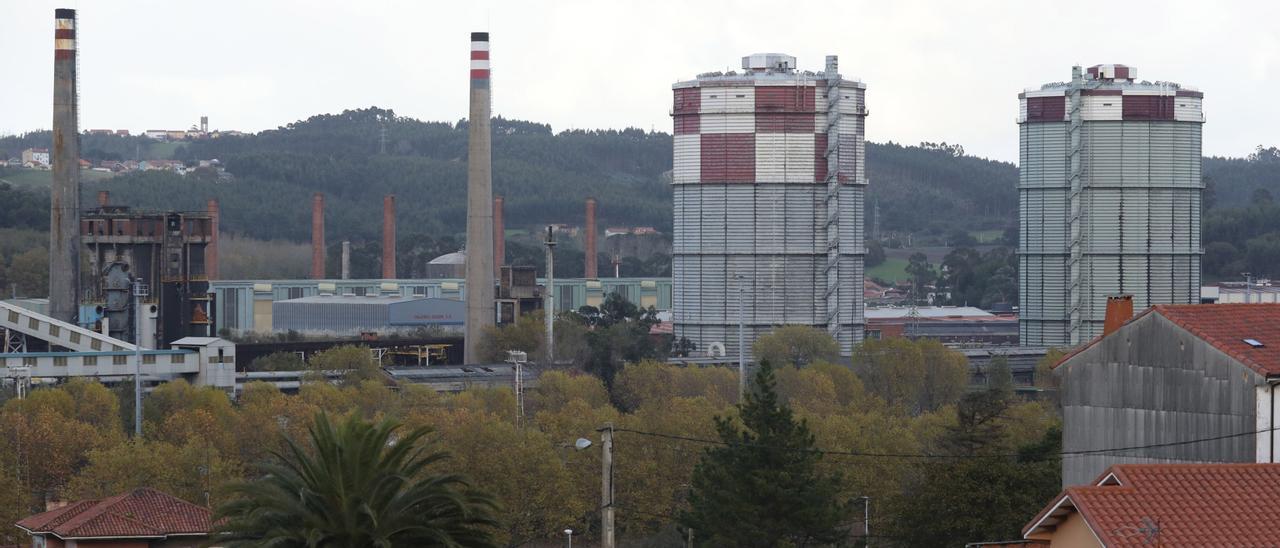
139	289
499	237
549	309
346	259
479	265
742	339
211	250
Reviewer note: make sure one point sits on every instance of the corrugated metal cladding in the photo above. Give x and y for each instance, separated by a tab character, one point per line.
750	199
1138	196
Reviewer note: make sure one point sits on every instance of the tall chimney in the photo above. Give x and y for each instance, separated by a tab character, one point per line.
211	250
104	198
64	210
389	237
1119	310
317	237
499	237
590	248
346	259
480	309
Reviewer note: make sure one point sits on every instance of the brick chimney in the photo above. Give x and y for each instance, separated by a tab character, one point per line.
389	237
589	250
317	237
1119	310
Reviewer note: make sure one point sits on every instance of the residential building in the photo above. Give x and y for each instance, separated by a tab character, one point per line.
35	157
142	518
1173	374
1163	505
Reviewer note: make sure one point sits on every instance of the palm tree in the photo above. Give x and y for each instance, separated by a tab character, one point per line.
356	484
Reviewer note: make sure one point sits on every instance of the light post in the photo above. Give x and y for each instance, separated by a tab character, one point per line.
549	309
606	482
866	520
568	534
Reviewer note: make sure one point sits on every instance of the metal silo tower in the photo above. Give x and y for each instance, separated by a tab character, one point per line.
768	188
1109	200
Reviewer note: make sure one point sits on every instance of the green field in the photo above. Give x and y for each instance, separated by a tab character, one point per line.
38	178
987	236
890	270
161	151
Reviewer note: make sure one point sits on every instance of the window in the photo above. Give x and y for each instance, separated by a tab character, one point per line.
75	338
148	359
33	323
54	330
295	292
177	358
230	309
91	360
95	344
360	291
60	361
420	291
564	301
29	361
119	359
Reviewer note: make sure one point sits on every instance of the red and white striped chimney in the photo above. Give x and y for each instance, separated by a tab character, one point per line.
589	253
389	237
499	237
317	237
211	250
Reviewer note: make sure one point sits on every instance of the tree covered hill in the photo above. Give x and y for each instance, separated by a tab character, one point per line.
357	156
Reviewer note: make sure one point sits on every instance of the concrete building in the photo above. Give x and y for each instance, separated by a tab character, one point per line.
1174	373
768	187
951	325
1109	200
36	157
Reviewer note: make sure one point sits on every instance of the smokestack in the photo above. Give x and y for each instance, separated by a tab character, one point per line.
346	260
317	237
211	250
64	210
480	311
104	198
1119	310
499	237
590	251
389	237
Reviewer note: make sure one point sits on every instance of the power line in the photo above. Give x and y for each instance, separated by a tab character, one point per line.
1061	454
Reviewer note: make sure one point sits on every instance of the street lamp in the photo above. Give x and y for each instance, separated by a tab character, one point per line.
606	481
568	533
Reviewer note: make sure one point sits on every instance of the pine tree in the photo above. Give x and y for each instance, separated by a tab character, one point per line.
761	488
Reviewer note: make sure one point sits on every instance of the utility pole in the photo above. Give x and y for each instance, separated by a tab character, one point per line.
139	291
742	339
866	520
606	486
549	309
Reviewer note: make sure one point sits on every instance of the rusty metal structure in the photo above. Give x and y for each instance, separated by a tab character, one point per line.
589	244
164	250
317	237
64	210
389	237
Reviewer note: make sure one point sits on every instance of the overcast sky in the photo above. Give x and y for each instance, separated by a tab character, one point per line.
935	71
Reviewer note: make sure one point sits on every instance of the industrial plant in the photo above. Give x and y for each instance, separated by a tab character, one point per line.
1109	200
768	179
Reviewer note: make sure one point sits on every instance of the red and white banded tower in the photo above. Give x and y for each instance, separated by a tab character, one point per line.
768	189
64	210
480	307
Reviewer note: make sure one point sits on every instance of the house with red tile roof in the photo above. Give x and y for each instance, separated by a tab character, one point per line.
142	518
1174	384
1164	505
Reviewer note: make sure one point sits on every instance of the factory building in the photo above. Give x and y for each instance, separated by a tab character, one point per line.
248	305
166	252
352	314
1109	200
768	186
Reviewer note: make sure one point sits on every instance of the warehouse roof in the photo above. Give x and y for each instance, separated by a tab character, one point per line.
457	257
925	312
1173	505
355	299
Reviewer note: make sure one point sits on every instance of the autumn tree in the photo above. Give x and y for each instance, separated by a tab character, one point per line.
762	488
919	376
797	345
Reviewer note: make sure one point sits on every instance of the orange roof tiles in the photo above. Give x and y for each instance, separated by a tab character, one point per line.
140	513
1177	505
1224	326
